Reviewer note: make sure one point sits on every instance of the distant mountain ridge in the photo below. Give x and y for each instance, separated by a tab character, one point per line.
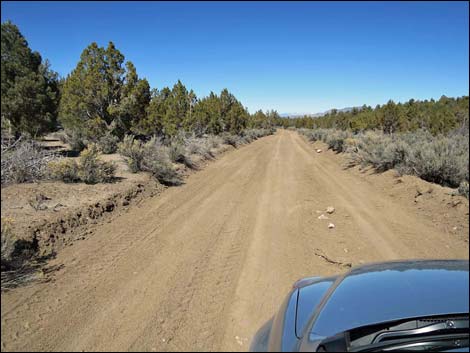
316	115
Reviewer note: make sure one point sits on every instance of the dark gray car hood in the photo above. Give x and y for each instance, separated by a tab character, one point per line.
391	291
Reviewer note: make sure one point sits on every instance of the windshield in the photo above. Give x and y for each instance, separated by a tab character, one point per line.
380	296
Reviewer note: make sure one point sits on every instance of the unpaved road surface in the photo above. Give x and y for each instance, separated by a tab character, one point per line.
204	265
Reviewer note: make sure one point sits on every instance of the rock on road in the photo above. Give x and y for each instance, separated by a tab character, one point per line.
204	265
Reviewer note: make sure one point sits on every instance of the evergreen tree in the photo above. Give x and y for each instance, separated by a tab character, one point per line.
29	89
100	94
207	115
152	124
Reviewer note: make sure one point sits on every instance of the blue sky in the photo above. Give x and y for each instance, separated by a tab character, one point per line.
294	57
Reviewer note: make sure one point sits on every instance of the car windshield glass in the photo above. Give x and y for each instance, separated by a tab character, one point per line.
372	297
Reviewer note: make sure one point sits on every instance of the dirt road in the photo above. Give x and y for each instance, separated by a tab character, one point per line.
203	265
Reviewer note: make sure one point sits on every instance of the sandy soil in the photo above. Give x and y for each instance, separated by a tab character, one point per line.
204	265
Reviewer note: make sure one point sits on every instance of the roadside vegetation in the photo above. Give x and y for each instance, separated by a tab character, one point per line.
437	117
100	107
88	169
441	159
104	107
427	138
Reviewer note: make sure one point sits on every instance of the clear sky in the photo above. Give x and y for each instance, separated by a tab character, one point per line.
295	57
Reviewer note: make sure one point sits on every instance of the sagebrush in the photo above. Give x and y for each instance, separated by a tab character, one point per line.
151	156
88	169
442	159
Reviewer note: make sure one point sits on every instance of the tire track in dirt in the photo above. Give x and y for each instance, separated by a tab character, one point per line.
204	265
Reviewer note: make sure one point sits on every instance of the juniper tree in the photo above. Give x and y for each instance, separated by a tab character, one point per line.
29	89
102	95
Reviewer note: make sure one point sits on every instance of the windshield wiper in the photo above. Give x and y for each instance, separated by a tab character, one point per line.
433	343
449	325
425	333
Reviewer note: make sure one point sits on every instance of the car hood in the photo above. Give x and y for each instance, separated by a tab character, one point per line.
392	291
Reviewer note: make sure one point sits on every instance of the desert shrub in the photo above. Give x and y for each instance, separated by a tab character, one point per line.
76	140
369	149
335	139
464	189
214	141
178	154
134	151
394	154
247	138
350	145
254	134
108	143
88	168
64	169
439	159
250	135
24	161
157	161
443	160
316	134
7	242
152	157
92	170
416	137
232	140
162	170
378	150
199	146
320	134
308	133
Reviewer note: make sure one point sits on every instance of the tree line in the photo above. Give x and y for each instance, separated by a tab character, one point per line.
104	95
438	117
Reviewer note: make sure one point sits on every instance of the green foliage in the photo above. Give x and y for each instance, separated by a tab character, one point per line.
249	135
179	154
108	143
65	169
92	170
103	99
88	169
336	140
176	110
442	159
439	117
266	120
76	140
232	140
199	146
100	93
214	141
134	151
152	157
29	89
207	116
